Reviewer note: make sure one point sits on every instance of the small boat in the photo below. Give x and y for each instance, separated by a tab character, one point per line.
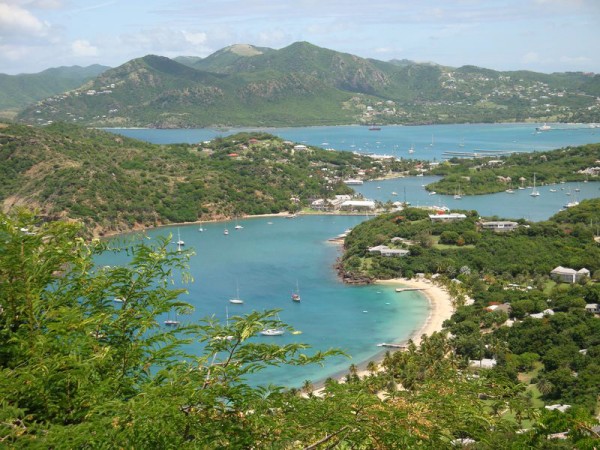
236	300
238	227
171	323
411	150
534	191
118	300
432	193
458	194
571	204
552	190
296	295
179	241
394	193
374	128
544	127
272	332
225	231
509	191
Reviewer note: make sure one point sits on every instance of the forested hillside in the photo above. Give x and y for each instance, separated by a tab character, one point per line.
488	175
303	84
19	91
116	184
80	370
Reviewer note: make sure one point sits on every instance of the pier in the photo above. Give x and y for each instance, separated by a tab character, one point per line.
406	289
385	344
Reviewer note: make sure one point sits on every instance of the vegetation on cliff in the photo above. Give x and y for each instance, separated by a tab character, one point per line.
115	184
79	370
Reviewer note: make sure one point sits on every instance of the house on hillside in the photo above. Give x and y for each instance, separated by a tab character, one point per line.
450	217
593	308
384	250
358	205
499	226
567	275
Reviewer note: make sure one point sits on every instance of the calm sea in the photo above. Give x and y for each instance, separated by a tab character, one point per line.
269	257
431	142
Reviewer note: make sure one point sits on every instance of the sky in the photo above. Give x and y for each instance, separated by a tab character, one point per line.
540	35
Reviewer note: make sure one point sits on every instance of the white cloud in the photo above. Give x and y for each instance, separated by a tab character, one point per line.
530	57
575	59
82	47
16	22
195	38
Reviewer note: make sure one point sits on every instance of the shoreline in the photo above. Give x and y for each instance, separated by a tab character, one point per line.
440	309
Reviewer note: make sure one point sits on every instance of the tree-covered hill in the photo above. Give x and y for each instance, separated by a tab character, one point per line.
18	91
81	370
454	247
303	84
115	184
489	175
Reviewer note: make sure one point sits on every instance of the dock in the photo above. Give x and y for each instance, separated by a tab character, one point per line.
385	344
409	289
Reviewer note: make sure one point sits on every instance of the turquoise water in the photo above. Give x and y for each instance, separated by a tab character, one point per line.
269	256
397	140
266	260
517	205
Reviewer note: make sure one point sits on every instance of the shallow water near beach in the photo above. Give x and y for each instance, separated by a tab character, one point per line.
269	257
265	262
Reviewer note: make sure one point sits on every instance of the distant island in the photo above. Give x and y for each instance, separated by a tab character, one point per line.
299	85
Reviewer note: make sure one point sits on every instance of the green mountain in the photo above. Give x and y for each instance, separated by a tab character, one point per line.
18	91
303	84
116	184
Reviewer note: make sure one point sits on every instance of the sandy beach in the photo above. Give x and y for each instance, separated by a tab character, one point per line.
440	304
440	309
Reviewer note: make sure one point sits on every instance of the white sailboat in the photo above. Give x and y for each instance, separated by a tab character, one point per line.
458	194
179	241
296	295
236	300
273	331
171	322
534	191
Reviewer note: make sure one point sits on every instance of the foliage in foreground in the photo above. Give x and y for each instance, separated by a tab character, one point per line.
79	370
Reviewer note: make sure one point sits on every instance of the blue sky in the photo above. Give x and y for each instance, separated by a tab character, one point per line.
540	35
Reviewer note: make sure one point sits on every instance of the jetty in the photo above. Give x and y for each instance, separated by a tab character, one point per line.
385	344
406	289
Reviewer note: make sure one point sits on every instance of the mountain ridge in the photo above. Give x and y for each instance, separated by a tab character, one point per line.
303	84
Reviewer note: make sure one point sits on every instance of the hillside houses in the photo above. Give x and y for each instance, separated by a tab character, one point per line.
568	275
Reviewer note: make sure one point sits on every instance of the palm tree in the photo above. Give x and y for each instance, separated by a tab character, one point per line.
308	387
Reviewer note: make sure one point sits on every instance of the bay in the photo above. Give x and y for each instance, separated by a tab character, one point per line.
429	142
265	261
270	256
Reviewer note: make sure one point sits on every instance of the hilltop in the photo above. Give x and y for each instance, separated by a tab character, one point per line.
115	184
302	84
17	91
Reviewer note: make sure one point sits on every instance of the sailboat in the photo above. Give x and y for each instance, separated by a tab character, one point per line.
236	300
237	225
431	145
273	331
411	150
296	295
458	195
200	229
534	191
171	322
179	241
